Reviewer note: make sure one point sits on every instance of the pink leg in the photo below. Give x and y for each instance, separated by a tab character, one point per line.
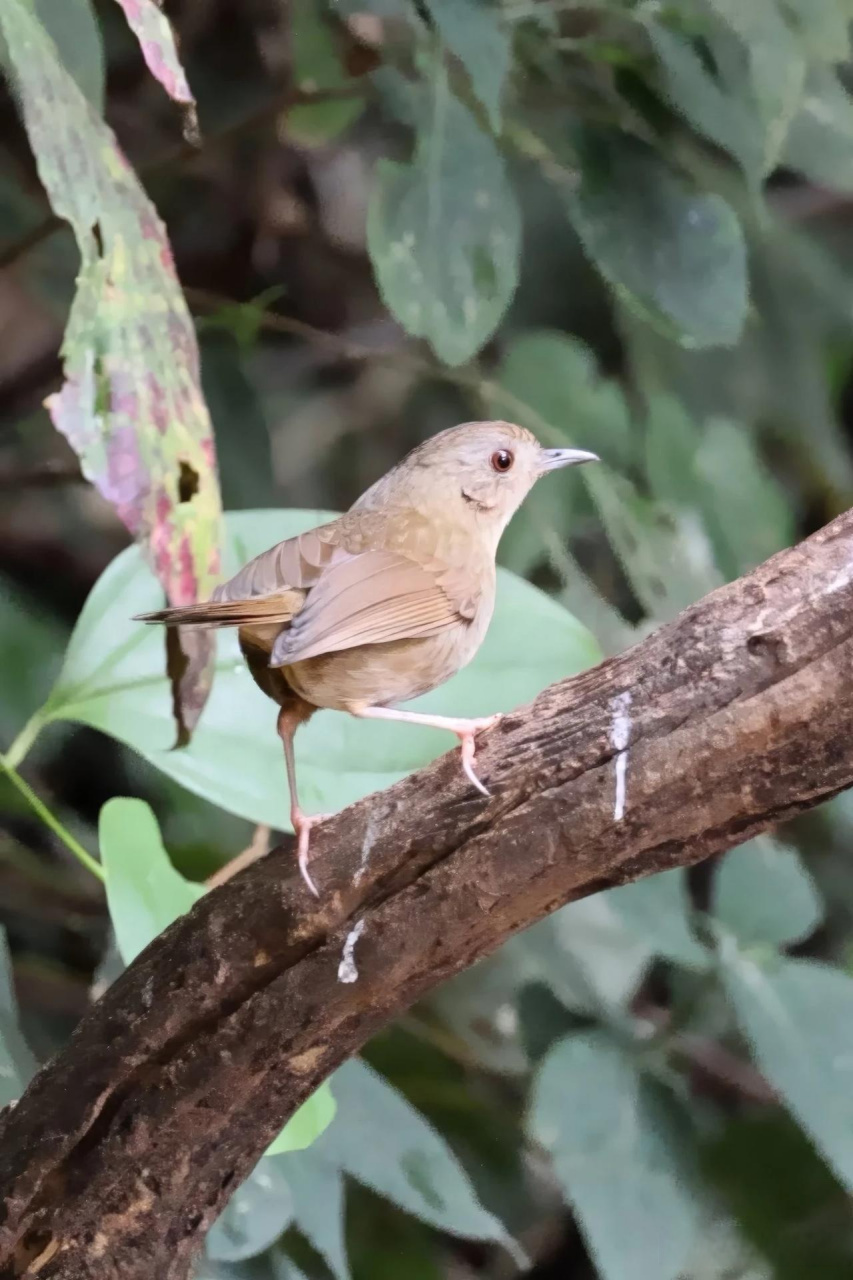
301	822
465	731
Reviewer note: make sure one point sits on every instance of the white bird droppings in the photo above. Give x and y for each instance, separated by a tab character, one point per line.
347	972
620	733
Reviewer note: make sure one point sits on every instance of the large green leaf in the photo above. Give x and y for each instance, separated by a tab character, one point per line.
305	1125
471	29
764	894
798	1017
673	253
131	405
618	1156
113	680
444	231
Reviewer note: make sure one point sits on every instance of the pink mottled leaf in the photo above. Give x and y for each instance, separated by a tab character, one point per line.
131	405
157	42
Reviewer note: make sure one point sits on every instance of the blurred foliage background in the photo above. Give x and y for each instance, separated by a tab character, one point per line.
627	225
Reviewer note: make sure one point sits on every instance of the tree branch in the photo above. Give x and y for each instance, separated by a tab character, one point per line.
125	1148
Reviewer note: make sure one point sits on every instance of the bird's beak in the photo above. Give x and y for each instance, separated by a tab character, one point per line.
551	459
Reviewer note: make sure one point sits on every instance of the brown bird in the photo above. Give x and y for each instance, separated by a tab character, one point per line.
389	600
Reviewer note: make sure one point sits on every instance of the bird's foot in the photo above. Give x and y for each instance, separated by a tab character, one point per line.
302	824
466	731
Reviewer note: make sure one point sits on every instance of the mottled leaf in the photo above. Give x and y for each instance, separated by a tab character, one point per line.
113	680
472	30
444	231
673	253
764	894
798	1017
157	42
131	405
618	1156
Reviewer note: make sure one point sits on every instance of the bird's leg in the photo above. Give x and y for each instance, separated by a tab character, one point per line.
288	722
465	731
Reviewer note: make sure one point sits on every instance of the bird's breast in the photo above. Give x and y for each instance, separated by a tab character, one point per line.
379	675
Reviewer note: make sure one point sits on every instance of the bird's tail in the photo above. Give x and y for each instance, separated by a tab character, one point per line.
227	613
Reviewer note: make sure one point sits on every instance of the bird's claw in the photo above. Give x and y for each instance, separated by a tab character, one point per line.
469	750
302	824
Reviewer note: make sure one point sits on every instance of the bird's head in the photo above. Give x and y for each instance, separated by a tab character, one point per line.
485	469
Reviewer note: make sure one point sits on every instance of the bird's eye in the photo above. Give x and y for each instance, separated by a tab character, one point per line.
502	460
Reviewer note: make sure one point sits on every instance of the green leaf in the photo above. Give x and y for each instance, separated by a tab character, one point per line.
444	232
777	67
798	1017
557	376
411	1165
718	473
17	1063
617	1155
131	405
675	254
255	1216
317	1190
317	65
31	643
710	104
472	30
666	555
73	28
823	26
764	894
585	955
305	1125
657	908
113	680
820	141
144	891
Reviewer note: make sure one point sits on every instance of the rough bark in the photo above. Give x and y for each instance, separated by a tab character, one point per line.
125	1148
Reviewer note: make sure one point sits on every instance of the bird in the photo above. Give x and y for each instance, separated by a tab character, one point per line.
388	600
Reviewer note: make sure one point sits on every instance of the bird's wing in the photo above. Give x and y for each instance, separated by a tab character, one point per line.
271	588
372	598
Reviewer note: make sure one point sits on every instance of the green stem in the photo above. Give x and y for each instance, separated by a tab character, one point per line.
50	820
25	739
